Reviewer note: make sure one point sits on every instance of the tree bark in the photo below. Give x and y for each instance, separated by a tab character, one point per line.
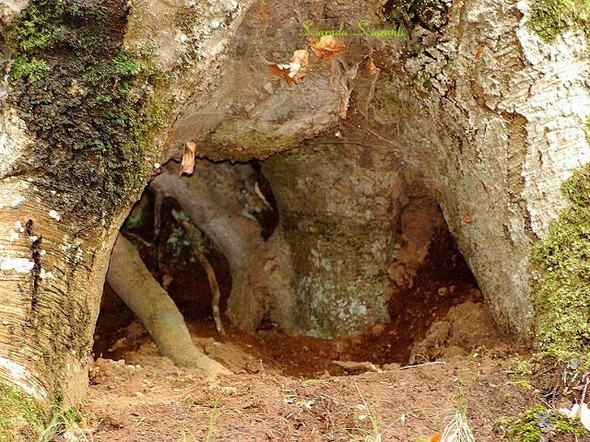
51	277
342	237
220	199
478	110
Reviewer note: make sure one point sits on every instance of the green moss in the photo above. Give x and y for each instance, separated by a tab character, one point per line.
91	104
32	69
20	417
539	422
562	293
550	18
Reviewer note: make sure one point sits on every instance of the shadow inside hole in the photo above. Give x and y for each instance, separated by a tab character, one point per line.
442	281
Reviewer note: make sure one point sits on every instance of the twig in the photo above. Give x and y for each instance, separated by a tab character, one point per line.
138	238
157	226
407	367
208	269
351	366
584	390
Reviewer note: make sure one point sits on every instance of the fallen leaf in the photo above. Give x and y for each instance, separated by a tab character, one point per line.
435	438
369	67
188	158
327	46
301	57
292	72
466	219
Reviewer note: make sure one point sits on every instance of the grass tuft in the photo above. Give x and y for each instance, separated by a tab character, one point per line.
69	424
20	416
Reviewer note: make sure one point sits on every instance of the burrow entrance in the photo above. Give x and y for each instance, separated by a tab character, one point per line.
435	306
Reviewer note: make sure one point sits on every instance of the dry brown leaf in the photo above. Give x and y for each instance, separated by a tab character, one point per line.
478	51
327	46
188	158
293	72
261	14
369	67
301	56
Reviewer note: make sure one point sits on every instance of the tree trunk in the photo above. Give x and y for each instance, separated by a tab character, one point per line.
222	201
342	236
51	276
473	104
83	120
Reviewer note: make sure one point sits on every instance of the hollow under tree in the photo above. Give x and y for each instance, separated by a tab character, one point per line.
472	103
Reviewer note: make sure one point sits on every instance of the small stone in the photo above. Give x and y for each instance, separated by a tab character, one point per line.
392	366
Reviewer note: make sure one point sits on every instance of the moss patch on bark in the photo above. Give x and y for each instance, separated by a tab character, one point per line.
550	18
562	259
90	103
20	416
562	300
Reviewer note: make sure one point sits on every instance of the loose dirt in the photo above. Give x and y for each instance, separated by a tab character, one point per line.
146	398
290	389
403	380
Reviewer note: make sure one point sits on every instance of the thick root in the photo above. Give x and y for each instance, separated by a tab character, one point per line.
131	280
219	199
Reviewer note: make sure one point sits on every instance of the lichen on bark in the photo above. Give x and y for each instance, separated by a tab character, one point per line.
90	102
550	18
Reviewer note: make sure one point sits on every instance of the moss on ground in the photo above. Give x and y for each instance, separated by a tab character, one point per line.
20	417
550	18
562	300
539	423
90	103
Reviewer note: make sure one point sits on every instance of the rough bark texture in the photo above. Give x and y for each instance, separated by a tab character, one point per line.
220	199
65	184
133	283
342	236
45	330
474	106
491	120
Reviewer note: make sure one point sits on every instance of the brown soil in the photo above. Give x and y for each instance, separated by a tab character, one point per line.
307	389
289	388
148	399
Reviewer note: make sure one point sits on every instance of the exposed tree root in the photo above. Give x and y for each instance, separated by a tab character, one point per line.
197	250
221	200
131	280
